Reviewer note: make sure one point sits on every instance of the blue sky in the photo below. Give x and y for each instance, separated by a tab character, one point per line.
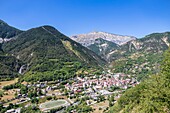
126	17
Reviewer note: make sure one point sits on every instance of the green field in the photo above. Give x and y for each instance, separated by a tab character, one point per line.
53	104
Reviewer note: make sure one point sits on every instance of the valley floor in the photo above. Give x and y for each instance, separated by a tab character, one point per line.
92	93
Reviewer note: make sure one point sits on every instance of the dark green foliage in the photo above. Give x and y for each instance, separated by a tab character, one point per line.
1	50
142	66
49	98
150	96
46	43
101	50
12	86
7	31
49	55
165	66
34	100
1	93
111	100
100	98
32	94
9	67
141	57
11	106
147	97
113	88
56	109
30	109
82	106
85	109
24	89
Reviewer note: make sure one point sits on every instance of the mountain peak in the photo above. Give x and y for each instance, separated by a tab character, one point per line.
7	31
48	27
89	38
47	42
95	32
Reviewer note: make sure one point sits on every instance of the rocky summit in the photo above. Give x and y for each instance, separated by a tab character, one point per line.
90	38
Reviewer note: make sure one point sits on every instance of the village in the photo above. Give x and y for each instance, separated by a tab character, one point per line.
101	84
91	86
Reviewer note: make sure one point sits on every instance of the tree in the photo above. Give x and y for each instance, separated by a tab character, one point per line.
32	94
35	100
165	67
111	100
100	98
24	89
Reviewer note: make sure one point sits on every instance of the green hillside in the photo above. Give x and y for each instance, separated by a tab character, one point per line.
7	31
9	67
50	55
150	96
142	56
103	47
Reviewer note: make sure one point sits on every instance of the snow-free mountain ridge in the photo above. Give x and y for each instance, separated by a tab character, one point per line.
89	38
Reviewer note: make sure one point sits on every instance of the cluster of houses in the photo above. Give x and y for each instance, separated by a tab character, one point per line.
91	85
102	82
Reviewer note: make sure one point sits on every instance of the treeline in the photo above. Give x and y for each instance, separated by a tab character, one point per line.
12	86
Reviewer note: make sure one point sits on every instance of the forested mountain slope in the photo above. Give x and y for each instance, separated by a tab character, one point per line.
150	96
141	56
7	31
48	54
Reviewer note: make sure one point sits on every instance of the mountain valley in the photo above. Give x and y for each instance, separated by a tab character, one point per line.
94	72
43	50
140	57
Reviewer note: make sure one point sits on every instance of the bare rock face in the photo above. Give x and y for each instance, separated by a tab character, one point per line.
5	40
89	39
102	43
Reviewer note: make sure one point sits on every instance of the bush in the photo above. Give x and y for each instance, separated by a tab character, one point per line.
48	97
